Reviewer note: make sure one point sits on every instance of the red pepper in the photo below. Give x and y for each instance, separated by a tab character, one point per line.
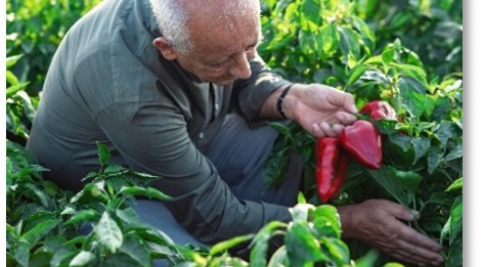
363	141
331	167
378	109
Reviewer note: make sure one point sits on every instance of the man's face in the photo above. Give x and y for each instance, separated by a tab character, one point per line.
221	52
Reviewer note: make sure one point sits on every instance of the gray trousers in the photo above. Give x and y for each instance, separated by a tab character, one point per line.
238	153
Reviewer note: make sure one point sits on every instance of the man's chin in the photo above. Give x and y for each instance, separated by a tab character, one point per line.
220	82
224	83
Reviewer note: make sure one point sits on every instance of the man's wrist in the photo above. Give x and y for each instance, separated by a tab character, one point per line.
346	219
281	100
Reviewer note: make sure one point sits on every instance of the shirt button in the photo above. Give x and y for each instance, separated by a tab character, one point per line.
201	135
216	106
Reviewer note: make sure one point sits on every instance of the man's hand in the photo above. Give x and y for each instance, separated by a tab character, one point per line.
320	109
379	223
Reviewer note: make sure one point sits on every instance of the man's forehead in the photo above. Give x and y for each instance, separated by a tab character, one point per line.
212	38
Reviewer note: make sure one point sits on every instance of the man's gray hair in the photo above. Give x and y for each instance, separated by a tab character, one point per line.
171	19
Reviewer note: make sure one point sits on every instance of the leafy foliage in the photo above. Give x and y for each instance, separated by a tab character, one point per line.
408	53
35	29
373	61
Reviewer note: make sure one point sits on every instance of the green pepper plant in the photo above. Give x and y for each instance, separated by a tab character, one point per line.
329	42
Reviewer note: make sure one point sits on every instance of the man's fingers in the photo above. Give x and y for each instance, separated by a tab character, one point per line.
345	118
337	128
327	129
401	212
411	236
349	104
409	246
324	129
411	253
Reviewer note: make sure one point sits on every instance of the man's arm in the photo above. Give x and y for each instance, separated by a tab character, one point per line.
158	144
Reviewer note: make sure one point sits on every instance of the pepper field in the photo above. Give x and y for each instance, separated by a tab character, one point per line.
407	53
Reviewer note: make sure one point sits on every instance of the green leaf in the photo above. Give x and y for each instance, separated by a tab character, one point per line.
230	243
439	198
384	177
349	41
444	233
83	258
441	109
356	73
387	56
456	153
337	250
445	132
12	60
367	260
104	154
40	259
393	264
40	230
280	128
420	146
22	254
55	243
302	246
374	75
411	180
301	198
155	236
456	222
36	218
412	99
434	158
29	171
108	233
14	89
413	72
149	192
129	216
366	33
456	185
308	42
279	258
135	248
398	151
114	169
374	60
329	38
88	215
260	243
326	222
310	10
275	168
12	80
455	254
39	194
117	260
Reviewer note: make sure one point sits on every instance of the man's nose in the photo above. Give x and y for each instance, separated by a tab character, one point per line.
240	67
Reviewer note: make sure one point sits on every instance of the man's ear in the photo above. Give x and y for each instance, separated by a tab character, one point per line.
165	47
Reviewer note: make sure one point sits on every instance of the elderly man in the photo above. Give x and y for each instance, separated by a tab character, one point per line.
175	88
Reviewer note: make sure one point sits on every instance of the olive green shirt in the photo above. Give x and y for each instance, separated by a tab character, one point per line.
108	83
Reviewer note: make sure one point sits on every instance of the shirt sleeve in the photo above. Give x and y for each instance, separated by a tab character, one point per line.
153	139
250	94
